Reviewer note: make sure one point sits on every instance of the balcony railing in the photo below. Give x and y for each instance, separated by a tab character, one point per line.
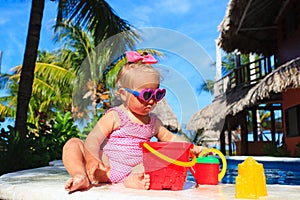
247	74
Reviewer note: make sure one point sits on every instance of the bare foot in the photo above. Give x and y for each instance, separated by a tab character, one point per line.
137	181
77	182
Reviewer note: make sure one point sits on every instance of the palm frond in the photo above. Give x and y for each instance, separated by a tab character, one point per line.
100	20
54	74
4	78
73	37
6	111
207	86
47	57
50	73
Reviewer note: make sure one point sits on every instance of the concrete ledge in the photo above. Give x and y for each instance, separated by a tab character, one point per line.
48	183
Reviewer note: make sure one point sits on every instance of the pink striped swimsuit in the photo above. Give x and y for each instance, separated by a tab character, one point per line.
122	147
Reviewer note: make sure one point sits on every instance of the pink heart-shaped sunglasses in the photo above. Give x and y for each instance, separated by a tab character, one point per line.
147	94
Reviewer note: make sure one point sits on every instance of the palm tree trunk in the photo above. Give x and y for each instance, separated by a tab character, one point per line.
27	74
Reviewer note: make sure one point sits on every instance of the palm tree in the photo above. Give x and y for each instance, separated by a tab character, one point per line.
51	88
262	121
95	15
88	63
26	79
207	86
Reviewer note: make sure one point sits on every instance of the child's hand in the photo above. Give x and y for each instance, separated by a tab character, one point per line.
197	149
91	167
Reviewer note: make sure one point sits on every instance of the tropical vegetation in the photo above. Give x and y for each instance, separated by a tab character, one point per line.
41	93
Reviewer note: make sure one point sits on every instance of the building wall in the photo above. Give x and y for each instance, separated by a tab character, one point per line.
290	98
288	49
288	33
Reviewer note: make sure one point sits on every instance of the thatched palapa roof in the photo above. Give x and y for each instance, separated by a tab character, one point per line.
250	26
212	117
165	113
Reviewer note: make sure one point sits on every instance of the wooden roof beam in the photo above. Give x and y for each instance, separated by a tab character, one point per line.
281	11
243	16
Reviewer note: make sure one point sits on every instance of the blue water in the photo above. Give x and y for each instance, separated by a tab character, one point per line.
282	171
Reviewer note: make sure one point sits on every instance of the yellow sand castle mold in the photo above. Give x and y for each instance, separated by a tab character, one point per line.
251	180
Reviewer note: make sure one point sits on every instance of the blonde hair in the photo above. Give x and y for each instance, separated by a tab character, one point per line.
128	73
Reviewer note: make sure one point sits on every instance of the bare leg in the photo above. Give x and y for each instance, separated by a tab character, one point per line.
73	159
138	179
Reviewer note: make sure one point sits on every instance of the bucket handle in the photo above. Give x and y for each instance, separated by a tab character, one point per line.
223	171
171	160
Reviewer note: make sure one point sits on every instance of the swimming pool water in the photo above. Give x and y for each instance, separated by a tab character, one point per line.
282	171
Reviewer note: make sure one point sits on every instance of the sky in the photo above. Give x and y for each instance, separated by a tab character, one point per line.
184	30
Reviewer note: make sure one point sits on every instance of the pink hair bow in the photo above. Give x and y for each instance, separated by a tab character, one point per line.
133	56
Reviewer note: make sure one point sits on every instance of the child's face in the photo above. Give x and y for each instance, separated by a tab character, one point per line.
135	104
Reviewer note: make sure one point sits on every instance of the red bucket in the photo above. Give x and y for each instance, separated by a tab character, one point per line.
167	164
206	170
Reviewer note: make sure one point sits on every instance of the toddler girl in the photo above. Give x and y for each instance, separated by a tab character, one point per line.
111	152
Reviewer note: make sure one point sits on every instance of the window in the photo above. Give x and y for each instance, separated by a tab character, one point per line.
292	120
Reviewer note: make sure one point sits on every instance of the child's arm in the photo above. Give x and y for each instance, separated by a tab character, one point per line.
103	128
